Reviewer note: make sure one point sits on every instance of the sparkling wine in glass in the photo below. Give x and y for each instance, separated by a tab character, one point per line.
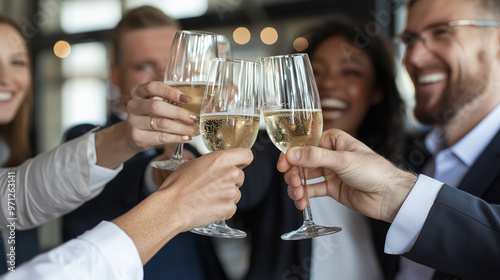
293	117
187	70
230	116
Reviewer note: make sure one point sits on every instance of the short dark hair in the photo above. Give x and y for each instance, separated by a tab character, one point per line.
383	127
138	18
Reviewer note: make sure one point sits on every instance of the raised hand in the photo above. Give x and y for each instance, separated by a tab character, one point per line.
354	175
210	186
152	121
201	191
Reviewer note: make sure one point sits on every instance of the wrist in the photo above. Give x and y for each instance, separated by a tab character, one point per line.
397	193
172	213
151	224
112	146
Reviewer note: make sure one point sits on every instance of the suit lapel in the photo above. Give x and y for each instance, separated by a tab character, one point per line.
484	170
479	179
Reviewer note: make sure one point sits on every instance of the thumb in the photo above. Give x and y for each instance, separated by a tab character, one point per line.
311	157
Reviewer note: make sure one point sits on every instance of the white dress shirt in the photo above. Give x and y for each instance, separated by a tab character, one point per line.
105	252
53	183
450	166
346	255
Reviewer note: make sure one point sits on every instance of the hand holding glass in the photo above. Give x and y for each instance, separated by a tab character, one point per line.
187	70
293	117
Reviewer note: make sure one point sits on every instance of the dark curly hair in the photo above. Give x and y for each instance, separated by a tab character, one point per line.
383	128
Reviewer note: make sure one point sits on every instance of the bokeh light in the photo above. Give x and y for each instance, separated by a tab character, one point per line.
241	35
269	35
300	44
62	49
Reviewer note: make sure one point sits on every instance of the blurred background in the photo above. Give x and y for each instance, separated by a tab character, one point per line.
68	44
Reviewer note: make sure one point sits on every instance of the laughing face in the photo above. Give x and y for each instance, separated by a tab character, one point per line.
346	84
450	77
14	72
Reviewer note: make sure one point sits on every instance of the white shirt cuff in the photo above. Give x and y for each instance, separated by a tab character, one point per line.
118	248
411	217
98	175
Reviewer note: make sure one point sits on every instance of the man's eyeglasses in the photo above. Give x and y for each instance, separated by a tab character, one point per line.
441	34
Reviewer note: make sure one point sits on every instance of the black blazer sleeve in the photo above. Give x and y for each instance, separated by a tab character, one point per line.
460	236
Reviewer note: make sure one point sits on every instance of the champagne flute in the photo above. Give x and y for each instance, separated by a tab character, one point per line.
230	116
293	117
187	69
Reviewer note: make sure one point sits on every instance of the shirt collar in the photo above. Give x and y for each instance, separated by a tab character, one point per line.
471	145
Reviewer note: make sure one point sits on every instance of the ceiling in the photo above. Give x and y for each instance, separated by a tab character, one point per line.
227	13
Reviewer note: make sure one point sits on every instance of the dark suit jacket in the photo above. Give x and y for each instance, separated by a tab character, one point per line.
462	232
186	256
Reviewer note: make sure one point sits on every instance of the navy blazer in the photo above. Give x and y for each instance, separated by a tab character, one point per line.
186	256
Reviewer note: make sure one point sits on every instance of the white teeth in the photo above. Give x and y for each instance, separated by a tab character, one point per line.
332	103
5	96
432	78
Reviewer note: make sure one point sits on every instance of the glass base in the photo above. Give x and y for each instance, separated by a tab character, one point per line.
171	164
219	229
309	230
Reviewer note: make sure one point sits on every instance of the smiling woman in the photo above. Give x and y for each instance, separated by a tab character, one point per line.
357	85
15	108
347	84
15	92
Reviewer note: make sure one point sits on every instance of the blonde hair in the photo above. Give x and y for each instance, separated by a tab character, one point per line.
16	132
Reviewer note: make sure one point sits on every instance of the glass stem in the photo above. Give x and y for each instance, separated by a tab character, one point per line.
307	214
178	151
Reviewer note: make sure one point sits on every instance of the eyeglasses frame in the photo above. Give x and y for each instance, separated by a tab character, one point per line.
464	22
